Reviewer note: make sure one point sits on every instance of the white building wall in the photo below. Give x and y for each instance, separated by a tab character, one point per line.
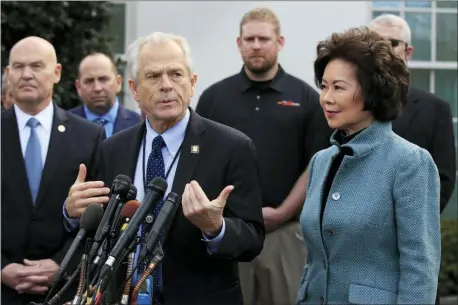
211	29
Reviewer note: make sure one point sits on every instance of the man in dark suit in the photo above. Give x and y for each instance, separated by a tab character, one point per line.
97	85
427	119
220	222
42	146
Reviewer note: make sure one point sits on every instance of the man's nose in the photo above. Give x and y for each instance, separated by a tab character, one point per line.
97	86
27	73
166	84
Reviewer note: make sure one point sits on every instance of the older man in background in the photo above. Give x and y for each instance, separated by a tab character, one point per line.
42	147
427	119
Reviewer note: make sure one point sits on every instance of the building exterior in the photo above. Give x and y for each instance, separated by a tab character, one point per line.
212	27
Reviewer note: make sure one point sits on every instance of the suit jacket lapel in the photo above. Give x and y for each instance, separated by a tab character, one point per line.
122	118
56	150
401	124
14	157
189	158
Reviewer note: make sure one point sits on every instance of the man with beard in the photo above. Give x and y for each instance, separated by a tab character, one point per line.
281	114
98	84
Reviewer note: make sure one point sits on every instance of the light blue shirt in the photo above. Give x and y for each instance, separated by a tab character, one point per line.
110	116
173	139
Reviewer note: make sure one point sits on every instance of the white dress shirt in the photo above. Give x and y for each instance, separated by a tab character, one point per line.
45	117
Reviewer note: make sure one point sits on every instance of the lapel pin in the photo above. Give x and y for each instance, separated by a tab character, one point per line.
194	149
61	128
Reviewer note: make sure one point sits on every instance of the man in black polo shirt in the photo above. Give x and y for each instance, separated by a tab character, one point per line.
282	115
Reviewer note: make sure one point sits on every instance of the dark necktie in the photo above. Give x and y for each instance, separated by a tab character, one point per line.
155	168
101	121
32	158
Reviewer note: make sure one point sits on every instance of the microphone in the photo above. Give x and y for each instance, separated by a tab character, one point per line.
119	190
161	224
90	219
156	190
129	209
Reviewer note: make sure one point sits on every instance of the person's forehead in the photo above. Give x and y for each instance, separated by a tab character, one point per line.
255	28
31	53
162	55
96	67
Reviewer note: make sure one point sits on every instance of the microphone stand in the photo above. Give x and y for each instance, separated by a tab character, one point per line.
130	263
58	295
158	255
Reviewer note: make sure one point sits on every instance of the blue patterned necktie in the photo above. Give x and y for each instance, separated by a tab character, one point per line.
155	168
101	121
32	158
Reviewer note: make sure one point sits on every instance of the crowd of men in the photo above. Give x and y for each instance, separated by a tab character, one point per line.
241	159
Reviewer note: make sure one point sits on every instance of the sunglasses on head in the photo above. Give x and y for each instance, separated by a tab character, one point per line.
396	42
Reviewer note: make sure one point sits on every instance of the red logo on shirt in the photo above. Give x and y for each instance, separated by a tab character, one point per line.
288	103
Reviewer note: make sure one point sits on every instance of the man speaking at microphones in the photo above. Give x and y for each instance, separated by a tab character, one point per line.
213	167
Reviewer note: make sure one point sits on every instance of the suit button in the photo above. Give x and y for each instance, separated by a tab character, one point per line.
335	196
321	300
329	233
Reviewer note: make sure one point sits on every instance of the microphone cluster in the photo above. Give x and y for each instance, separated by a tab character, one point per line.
114	241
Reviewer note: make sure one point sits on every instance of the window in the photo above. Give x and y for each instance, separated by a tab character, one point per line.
433	66
117	27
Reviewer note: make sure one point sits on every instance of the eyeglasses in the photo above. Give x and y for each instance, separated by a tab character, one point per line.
396	42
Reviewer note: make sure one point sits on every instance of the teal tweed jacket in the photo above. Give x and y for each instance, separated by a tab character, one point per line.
379	241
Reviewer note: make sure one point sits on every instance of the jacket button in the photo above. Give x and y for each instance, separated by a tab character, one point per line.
321	300
335	196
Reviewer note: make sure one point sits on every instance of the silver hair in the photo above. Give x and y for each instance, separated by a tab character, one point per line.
394	21
155	38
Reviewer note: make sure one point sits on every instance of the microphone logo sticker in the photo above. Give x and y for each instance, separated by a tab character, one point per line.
194	149
149	218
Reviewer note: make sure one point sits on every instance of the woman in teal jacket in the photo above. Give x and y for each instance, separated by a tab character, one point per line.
371	216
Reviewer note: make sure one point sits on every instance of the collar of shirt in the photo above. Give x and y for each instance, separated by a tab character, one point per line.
277	83
45	117
173	137
110	115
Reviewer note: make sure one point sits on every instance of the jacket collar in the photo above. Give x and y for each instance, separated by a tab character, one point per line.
367	140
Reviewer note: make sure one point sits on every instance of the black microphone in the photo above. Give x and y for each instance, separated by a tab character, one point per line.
155	192
119	190
161	224
90	219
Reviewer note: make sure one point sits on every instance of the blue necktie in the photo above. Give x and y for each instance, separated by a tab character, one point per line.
33	161
101	121
155	168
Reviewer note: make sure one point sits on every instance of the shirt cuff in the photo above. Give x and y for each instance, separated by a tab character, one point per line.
70	224
213	243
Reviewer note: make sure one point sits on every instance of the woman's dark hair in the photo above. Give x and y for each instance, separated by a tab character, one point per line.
381	74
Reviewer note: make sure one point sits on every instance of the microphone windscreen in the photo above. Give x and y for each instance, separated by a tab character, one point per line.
158	182
91	217
129	209
124	178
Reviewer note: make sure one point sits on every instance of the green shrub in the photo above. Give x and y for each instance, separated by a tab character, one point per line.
75	28
448	276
